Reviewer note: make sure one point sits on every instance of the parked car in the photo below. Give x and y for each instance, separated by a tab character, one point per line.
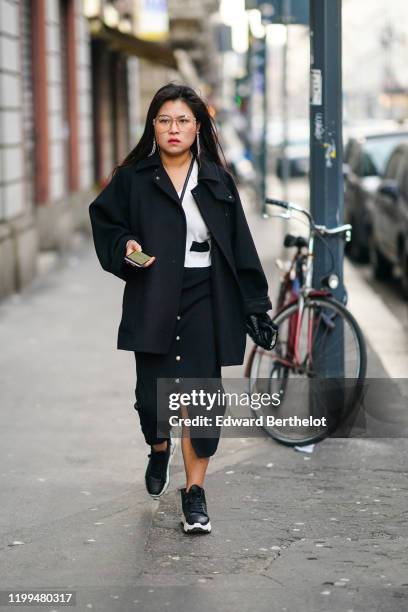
389	237
297	154
297	146
365	158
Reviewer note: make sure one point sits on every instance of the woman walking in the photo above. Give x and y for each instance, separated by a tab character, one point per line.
186	312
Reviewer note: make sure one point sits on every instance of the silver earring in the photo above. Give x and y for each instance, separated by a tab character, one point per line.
198	145
153	148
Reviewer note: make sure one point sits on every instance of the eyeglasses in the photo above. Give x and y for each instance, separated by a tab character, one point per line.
163	123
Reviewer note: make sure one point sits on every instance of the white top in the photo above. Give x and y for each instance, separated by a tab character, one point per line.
197	229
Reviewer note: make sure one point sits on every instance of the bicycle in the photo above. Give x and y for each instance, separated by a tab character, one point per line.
320	352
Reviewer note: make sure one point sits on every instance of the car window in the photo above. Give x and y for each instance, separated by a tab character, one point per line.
404	177
393	165
355	158
367	165
347	150
377	151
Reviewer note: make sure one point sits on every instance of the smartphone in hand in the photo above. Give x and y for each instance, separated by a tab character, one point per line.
138	258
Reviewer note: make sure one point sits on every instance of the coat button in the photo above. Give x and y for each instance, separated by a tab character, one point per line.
178	317
173	261
177	380
178	357
230	197
177	337
157	178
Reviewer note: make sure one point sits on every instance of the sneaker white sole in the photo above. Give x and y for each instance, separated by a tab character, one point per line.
166	484
195	527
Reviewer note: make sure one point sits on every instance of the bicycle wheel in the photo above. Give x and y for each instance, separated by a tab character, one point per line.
325	381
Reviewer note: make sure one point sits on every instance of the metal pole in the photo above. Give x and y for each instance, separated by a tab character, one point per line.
250	110
286	10
326	163
264	145
258	101
326	155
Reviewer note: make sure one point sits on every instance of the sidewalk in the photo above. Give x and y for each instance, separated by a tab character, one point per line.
324	532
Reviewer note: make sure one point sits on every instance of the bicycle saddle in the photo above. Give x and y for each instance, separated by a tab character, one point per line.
297	241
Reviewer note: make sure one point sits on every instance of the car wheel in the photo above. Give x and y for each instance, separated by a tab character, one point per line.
382	268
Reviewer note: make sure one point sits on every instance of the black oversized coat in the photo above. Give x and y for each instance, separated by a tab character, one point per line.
141	203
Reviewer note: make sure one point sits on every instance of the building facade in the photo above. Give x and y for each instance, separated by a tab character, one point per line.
76	78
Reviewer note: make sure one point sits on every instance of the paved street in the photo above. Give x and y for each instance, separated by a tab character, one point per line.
320	532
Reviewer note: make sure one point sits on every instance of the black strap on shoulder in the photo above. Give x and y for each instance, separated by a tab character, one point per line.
187	179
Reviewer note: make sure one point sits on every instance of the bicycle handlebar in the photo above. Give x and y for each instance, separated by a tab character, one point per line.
280	203
334	230
322	229
290	206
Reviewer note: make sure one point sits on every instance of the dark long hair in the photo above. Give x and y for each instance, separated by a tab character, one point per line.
209	142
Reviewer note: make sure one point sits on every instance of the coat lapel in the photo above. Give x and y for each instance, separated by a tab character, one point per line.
164	182
208	173
213	213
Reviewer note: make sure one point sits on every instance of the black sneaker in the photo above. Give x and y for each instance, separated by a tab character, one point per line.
157	475
194	518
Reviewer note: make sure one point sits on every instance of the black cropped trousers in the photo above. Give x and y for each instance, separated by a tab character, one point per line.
192	355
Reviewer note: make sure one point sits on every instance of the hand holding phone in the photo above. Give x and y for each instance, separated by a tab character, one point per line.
135	256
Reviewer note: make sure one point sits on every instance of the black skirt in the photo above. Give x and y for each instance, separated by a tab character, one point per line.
192	354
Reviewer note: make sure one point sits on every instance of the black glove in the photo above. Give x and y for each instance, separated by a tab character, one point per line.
263	331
